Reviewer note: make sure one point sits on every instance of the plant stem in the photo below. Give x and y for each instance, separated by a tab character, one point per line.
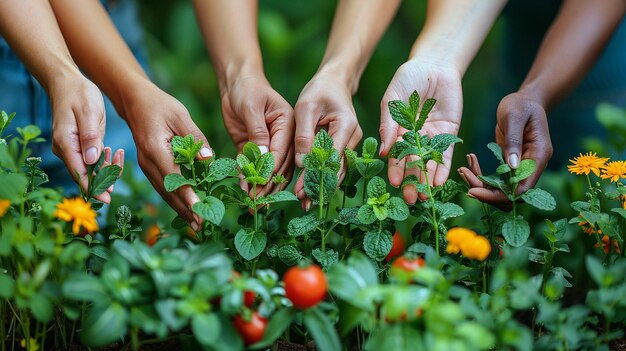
431	200
256	219
321	212
134	335
485	277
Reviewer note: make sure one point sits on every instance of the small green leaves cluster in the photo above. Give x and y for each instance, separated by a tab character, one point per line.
515	229
321	166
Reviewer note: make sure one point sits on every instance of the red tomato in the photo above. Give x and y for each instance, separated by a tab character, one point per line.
152	234
248	296
397	247
408	265
305	287
251	331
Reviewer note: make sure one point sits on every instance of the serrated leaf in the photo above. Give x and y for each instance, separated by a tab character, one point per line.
326	259
348	215
494	182
503	169
289	254
280	197
497	151
377	244
303	225
397	209
366	214
174	181
251	151
370	148
250	244
312	185
212	209
426	108
265	166
441	142
450	189
105	178
376	187
243	161
401	113
540	199
401	149
369	169
516	231
448	210
414	103
222	168
323	140
380	212
524	170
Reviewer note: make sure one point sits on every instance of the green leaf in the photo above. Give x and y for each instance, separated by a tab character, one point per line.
376	187
370	148
380	212
401	113
441	142
414	103
206	328
620	211
174	181
321	329
540	199
524	170
516	231
211	209
41	306
366	214
369	168
250	244
348	215
104	325
29	132
398	336
123	215
326	259
243	162
280	197
312	182
323	140
426	108
105	177
503	169
397	209
377	244
13	186
84	287
222	168
448	210
401	149
289	254
348	279
265	166
596	270
450	189
495	182
251	151
6	286
280	321
303	225
497	151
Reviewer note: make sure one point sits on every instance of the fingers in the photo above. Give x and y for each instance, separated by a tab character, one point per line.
91	122
281	126
256	127
187	126
307	115
388	128
511	123
443	170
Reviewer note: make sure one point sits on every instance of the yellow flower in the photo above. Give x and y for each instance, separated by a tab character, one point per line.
34	346
456	236
4	207
477	248
614	170
80	212
584	164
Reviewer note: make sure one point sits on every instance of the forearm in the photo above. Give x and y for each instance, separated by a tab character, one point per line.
357	27
455	29
230	33
30	28
573	43
99	50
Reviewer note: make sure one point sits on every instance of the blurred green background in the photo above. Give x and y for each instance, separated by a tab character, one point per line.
293	36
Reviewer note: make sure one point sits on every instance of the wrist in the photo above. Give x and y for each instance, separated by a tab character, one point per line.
228	73
532	91
133	92
58	80
439	54
342	71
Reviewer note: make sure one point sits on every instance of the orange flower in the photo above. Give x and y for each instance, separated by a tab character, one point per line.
456	236
152	234
584	164
614	170
80	212
470	244
605	245
588	228
4	206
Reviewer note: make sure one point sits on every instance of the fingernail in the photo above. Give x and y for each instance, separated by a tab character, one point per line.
206	152
91	155
263	149
469	160
194	226
514	161
299	159
300	194
462	176
470	195
307	206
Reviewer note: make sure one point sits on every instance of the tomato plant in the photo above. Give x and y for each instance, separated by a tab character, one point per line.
407	264
251	330
397	246
305	287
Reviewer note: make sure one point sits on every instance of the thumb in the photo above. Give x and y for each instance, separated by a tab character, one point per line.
91	124
306	123
257	129
388	128
511	126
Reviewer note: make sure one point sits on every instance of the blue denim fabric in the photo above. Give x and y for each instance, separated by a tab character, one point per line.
21	93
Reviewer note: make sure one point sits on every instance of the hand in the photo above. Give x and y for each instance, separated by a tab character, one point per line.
155	118
78	126
522	132
324	102
253	111
431	80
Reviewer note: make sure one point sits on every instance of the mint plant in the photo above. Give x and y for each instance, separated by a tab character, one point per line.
412	118
515	229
